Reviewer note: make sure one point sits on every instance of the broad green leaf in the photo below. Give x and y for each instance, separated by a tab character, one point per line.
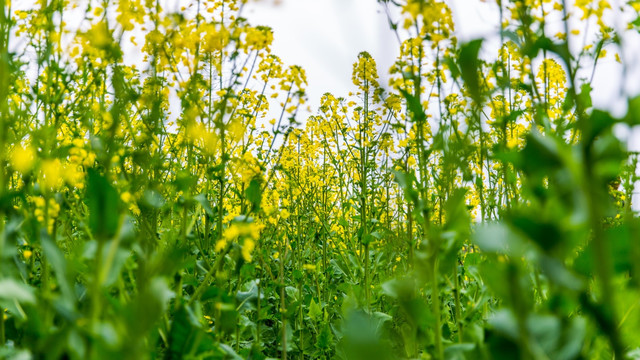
470	67
315	311
102	200
12	290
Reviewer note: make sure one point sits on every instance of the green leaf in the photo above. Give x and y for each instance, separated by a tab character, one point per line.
558	274
599	122
452	66
102	200
458	218
458	351
415	107
542	154
545	233
292	292
187	336
185	180
633	112
498	238
16	291
406	182
148	306
585	96
363	336
325	338
619	240
58	263
229	352
505	323
153	199
254	194
470	67
204	202
315	311
247	299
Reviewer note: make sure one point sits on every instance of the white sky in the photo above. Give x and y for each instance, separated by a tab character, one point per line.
326	36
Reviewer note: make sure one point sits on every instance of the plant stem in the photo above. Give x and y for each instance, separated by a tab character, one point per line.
435	304
458	311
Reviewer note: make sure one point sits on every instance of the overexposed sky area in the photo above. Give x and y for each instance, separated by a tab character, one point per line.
325	37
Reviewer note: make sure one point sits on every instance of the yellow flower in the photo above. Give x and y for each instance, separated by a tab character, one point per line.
411	161
23	158
51	173
365	73
100	35
134	209
247	249
220	245
231	232
126	197
512	142
259	37
237	129
309	267
74	175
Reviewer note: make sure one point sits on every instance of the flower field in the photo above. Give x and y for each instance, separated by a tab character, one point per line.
166	191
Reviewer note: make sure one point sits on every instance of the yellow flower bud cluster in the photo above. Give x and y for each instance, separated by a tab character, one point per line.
45	210
22	158
249	232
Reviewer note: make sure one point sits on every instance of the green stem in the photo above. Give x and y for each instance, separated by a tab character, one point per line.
210	275
2	332
458	310
258	307
283	309
435	304
603	267
366	275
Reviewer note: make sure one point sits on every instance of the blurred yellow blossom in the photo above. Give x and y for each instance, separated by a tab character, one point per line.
22	158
